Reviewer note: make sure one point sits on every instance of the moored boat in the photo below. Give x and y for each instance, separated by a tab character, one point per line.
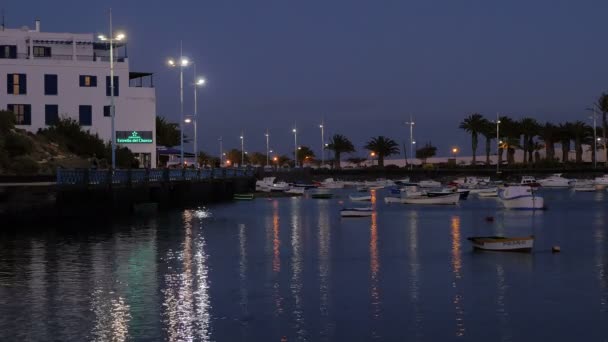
330	183
521	197
356	212
584	186
452	198
501	243
243	197
321	194
429	184
529	181
356	198
486	194
555	181
295	191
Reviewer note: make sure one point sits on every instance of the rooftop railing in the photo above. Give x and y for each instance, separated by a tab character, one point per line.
86	58
95	177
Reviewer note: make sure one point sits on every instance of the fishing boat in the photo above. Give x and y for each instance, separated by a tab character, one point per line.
243	197
521	197
555	181
295	191
356	212
356	198
501	243
452	198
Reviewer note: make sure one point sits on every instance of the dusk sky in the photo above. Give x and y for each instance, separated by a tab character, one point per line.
362	66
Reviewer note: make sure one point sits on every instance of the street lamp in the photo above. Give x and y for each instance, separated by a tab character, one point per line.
267	147
295	146
498	143
111	39
221	151
198	82
181	63
411	123
242	149
454	151
322	145
372	154
595	138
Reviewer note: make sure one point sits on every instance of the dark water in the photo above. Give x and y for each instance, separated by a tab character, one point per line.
265	269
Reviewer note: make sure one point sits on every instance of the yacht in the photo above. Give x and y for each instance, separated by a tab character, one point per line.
330	183
267	184
521	197
529	181
601	182
555	181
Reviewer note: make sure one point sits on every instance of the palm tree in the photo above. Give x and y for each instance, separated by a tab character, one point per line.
489	132
339	144
602	105
305	154
583	134
510	134
529	129
510	144
537	147
383	147
565	135
549	134
474	124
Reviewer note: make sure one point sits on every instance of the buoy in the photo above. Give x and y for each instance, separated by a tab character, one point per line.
556	249
489	219
340	202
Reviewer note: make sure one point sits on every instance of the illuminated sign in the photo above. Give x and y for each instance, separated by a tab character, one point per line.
134	137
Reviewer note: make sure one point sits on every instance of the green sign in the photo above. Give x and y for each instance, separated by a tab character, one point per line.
134	137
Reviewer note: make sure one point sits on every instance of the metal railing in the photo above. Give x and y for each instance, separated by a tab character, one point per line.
88	58
144	176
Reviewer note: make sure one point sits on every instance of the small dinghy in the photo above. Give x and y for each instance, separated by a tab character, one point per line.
321	194
356	198
356	212
296	191
451	198
501	243
243	197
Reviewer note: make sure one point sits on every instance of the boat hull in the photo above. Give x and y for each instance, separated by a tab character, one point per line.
501	244
438	200
524	203
355	213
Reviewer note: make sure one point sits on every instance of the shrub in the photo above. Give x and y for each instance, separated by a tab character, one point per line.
7	121
17	144
24	165
67	132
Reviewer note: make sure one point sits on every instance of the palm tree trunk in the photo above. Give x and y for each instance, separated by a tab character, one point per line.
565	150
510	156
550	150
604	129
488	150
525	148
380	160
578	147
530	149
337	160
500	156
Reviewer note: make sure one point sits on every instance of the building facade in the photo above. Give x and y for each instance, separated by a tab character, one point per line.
46	76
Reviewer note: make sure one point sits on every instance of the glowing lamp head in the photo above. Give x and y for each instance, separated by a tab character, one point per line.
373	154
294	130
171	62
188	120
184	62
241	137
200	82
454	150
275	159
102	37
120	36
320	126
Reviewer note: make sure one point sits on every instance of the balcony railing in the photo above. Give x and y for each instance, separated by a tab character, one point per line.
86	58
93	177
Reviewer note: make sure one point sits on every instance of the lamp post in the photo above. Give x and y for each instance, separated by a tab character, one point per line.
111	39
295	146
322	145
267	148
242	149
497	144
372	155
182	63
412	142
198	82
454	151
221	152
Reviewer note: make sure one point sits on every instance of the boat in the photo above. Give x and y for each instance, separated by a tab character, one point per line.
267	184
501	243
584	186
601	182
303	185
243	197
356	212
295	191
529	181
362	188
429	184
486	194
330	183
521	197
379	183
452	198
482	190
392	199
464	194
471	181
356	198
555	181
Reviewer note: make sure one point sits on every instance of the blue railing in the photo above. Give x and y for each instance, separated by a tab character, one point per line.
140	176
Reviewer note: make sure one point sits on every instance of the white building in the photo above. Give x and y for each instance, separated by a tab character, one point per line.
50	75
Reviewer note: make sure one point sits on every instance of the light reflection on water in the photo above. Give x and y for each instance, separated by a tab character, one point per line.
291	267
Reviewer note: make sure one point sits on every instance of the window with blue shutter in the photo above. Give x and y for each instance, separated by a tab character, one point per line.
16	84
85	115
50	84
51	114
23	113
107	111
88	81
108	86
8	51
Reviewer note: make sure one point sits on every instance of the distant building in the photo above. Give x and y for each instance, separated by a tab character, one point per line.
53	75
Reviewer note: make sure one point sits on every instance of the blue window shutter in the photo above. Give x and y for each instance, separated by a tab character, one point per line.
84	115
10	108
51	114
13	52
81	81
22	84
93	81
9	83
50	84
108	86
27	114
107	111
116	86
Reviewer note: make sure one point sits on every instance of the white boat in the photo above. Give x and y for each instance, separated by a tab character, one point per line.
295	191
601	182
362	188
379	183
529	181
429	184
584	186
482	190
486	194
472	181
267	184
555	181
520	197
356	212
392	199
452	198
500	243
356	198
330	183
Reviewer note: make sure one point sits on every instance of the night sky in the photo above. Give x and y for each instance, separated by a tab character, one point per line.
362	66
